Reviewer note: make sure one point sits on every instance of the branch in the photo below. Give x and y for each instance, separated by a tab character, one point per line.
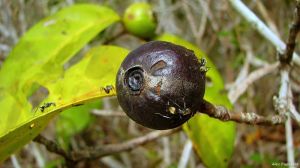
285	94
108	113
53	147
239	89
294	112
110	149
283	108
291	43
289	142
197	32
260	26
97	152
116	36
190	18
223	114
262	9
14	161
186	153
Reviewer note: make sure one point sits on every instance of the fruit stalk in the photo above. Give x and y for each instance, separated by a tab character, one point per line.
223	114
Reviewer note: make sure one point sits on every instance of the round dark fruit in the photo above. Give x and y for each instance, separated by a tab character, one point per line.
160	85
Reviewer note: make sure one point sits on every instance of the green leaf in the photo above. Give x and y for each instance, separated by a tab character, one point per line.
82	83
41	53
212	139
89	77
38	59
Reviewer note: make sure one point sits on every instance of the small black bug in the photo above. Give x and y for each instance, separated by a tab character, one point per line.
108	88
46	105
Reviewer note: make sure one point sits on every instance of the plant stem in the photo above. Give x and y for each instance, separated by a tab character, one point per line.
260	26
110	149
223	114
291	42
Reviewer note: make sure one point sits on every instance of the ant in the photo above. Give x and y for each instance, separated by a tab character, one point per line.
108	88
203	68
180	112
46	105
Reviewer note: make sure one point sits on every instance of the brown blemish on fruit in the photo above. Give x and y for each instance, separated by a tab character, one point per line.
158	88
130	16
158	65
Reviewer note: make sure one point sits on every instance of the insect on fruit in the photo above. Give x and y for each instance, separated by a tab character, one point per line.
160	85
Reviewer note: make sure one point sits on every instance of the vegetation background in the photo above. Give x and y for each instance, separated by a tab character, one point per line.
216	28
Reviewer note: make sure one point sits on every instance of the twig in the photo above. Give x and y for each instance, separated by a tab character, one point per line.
295	79
8	29
125	158
289	142
166	151
262	9
190	18
197	32
285	94
15	161
166	18
53	147
246	66
221	113
284	103
110	161
4	47
70	2
113	38
243	72
21	17
257	62
37	154
236	92
291	42
262	28
204	17
108	113
185	156
294	112
284	109
110	149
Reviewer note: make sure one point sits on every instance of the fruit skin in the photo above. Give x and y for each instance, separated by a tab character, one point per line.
139	20
160	85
